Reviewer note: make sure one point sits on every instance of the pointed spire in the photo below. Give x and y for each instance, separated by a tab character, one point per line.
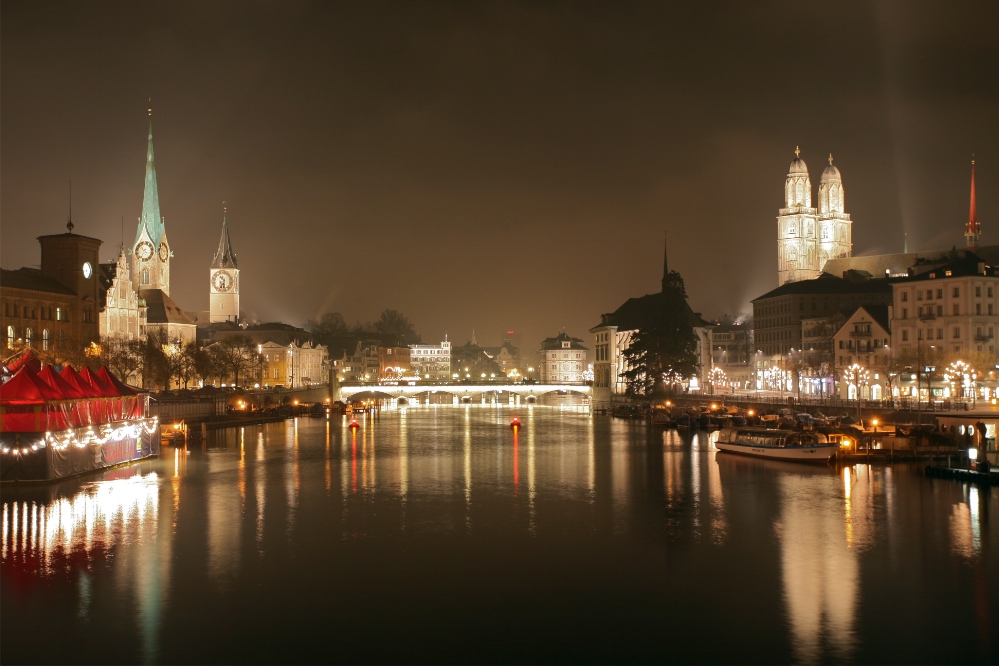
151	218
224	256
973	230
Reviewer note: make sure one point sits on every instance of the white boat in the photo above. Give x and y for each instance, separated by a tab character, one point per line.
777	444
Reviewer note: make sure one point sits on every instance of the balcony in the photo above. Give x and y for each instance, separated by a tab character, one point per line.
927	315
860	334
982	337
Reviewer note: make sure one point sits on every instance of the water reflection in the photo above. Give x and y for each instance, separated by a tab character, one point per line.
574	511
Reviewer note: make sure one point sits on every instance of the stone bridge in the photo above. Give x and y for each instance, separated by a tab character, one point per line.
461	392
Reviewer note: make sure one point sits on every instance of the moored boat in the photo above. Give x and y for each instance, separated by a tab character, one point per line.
777	444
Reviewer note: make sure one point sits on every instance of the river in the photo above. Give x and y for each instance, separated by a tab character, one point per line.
440	534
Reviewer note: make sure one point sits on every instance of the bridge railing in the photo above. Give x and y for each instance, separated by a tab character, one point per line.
461	382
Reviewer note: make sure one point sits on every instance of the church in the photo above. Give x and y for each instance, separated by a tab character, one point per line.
138	299
808	237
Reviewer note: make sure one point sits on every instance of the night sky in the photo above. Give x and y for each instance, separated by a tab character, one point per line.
491	166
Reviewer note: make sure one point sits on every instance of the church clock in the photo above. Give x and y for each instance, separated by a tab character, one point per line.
164	252
222	281
144	250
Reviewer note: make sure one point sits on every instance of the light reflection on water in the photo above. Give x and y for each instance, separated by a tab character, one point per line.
647	542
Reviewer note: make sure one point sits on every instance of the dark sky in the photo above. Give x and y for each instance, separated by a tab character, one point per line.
491	166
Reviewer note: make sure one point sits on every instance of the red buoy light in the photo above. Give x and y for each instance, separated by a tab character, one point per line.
515	423
354	425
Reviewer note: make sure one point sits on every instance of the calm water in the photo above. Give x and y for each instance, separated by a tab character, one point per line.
435	535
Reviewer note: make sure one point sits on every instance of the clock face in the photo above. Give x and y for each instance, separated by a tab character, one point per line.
164	252
222	281
145	250
87	270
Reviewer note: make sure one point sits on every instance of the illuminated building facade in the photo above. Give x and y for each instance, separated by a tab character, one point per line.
224	280
431	361
808	237
123	315
953	308
562	359
58	304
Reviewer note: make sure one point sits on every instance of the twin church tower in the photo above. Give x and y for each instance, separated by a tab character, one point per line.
808	237
151	253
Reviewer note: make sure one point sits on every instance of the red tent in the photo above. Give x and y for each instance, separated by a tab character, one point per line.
79	411
73	377
129	405
122	388
28	404
27	359
107	390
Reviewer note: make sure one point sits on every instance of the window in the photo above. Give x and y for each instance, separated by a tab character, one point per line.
957	333
10	337
957	292
939	334
939	293
978	308
905	313
45	338
929	294
27	336
905	336
978	291
957	309
58	314
905	296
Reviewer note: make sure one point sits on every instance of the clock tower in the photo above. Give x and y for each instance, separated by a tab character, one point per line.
224	280
151	251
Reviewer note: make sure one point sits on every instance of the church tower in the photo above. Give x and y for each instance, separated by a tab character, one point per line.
973	230
797	241
835	227
224	280
151	251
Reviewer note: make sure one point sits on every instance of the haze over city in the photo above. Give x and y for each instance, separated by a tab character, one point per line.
491	166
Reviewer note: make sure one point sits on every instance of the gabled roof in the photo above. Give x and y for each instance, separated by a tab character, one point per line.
556	343
161	309
635	311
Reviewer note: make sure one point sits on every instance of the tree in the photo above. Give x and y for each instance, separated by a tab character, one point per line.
237	354
329	326
394	324
663	348
122	356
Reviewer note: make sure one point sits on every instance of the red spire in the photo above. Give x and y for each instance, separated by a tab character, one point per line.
973	230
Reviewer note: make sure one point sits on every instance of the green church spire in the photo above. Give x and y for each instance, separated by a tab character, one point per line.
151	218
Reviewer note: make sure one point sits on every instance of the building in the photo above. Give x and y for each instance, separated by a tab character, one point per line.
224	280
613	335
54	308
778	314
286	356
151	255
393	363
123	315
953	308
431	361
562	359
808	237
506	357
731	355
863	340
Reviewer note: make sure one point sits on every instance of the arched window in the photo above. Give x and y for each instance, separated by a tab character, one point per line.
10	337
145	276
45	338
62	338
27	336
